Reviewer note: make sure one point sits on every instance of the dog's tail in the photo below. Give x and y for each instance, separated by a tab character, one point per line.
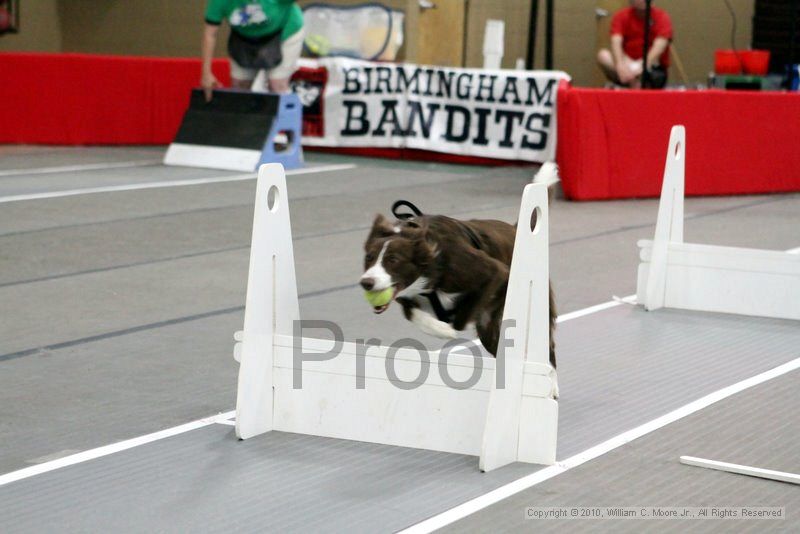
547	174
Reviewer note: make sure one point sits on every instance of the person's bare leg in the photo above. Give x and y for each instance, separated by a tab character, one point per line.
605	60
241	84
279	85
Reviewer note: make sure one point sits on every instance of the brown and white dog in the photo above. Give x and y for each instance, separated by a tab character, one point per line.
447	274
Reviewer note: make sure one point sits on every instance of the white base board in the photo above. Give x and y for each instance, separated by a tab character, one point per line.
329	404
212	157
764	283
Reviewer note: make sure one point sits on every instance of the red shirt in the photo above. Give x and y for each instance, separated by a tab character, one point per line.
630	26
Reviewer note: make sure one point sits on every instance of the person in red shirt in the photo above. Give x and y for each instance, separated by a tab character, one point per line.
623	63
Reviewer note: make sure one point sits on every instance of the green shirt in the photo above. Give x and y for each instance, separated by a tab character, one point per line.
257	18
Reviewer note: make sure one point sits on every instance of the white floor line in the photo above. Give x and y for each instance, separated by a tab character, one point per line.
84	167
229	422
169	183
794	250
512	488
91	454
630	299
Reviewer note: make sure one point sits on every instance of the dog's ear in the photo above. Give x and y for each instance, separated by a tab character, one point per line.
414	228
424	251
381	227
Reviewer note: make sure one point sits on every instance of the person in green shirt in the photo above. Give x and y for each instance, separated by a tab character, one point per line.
265	34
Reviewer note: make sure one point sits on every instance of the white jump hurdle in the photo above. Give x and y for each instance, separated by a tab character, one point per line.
501	425
675	274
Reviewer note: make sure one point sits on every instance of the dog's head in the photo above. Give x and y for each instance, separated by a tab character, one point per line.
397	256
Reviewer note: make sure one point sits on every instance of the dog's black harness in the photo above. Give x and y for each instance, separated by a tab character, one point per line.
442	314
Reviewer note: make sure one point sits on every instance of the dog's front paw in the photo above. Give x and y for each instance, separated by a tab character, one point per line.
432	326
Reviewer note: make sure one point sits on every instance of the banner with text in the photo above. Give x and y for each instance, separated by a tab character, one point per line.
504	114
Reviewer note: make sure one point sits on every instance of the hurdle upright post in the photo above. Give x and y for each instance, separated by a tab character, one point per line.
669	225
522	415
272	304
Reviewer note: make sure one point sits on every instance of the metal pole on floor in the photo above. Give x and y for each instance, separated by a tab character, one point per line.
770	474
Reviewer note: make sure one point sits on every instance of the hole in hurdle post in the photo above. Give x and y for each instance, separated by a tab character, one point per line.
536	214
677	150
273	196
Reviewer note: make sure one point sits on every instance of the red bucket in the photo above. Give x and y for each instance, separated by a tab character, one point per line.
727	62
755	61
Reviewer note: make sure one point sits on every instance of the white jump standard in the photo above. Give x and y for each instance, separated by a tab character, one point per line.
502	425
710	278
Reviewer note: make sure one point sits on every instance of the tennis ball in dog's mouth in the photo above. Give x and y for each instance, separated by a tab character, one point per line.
379	298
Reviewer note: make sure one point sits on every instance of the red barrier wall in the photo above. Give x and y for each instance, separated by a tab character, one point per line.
612	144
78	99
